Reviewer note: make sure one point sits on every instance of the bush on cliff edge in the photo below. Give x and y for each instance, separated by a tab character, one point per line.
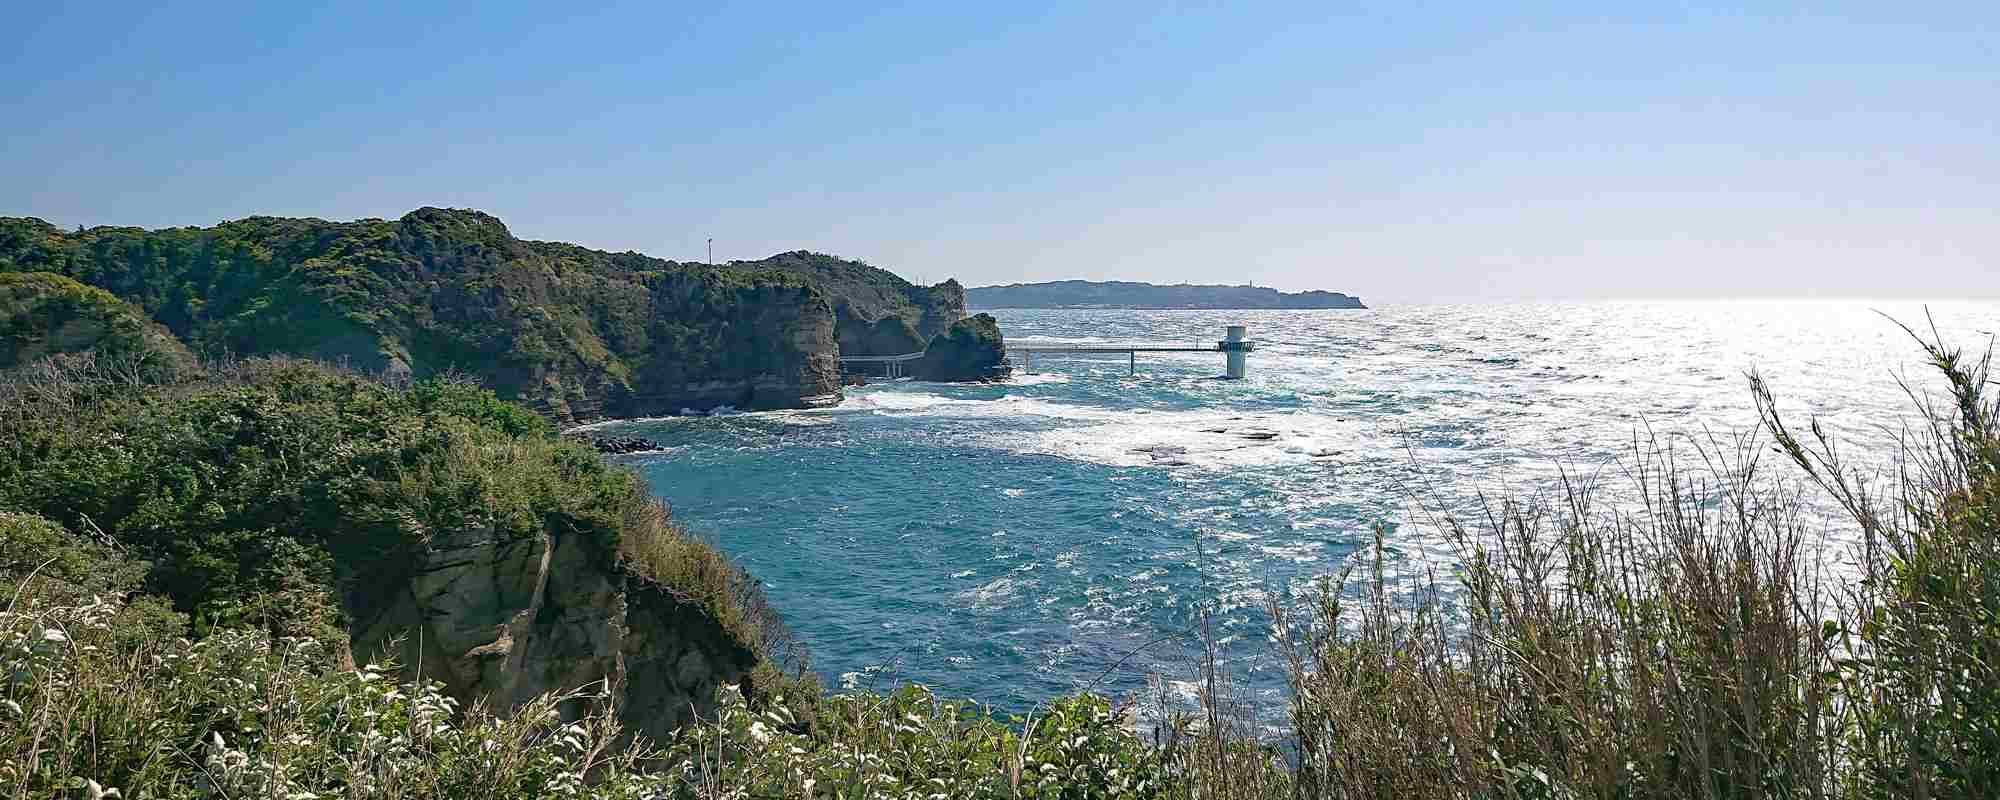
291	495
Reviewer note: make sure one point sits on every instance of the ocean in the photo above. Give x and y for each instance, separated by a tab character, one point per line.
1017	541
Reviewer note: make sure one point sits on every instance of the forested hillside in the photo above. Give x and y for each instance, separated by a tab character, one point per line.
575	332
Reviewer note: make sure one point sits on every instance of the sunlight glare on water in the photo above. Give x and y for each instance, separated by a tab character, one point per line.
1011	542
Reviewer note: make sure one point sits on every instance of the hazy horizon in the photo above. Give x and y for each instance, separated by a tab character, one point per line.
1447	153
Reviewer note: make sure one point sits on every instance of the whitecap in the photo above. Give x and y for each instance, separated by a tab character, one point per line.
997	590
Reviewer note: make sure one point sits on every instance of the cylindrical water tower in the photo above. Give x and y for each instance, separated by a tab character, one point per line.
1235	351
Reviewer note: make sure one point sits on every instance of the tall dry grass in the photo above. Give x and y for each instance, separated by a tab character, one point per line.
1704	639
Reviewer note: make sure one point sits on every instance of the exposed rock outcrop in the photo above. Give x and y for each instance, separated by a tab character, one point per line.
876	312
972	350
887	336
616	445
510	620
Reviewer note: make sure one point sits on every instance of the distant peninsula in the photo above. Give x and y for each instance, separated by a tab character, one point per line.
1132	294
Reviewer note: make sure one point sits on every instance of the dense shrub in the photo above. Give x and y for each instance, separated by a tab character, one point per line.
43	314
239	713
288	494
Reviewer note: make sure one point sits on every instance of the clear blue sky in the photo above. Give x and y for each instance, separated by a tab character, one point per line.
1407	152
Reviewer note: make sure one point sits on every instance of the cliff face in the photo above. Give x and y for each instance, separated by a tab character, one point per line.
869	302
509	620
972	350
578	333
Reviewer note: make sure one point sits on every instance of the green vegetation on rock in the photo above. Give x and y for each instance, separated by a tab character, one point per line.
433	523
877	313
577	333
43	314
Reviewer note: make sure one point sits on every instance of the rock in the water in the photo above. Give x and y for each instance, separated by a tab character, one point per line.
971	350
619	445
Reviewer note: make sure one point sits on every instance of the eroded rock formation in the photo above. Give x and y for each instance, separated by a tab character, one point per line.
510	620
972	350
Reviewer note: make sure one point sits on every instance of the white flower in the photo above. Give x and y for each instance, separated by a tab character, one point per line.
759	732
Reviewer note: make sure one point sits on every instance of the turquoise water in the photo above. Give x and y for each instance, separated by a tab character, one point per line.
1017	541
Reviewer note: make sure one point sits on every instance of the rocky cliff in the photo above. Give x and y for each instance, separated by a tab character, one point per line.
453	531
876	312
578	333
507	620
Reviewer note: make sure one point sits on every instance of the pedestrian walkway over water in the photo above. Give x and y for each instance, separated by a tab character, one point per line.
892	366
1233	349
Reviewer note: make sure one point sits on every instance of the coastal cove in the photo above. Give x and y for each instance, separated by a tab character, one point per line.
961	401
1013	541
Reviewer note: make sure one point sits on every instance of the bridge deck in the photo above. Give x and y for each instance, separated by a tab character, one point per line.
882	359
893	365
1105	348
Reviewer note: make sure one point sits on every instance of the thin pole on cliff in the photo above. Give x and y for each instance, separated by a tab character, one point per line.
711	250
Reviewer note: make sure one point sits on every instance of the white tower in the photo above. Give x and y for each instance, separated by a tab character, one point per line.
1235	351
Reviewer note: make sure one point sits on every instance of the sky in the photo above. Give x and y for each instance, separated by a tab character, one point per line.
1407	152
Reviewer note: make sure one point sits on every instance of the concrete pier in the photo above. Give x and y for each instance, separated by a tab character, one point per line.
1235	347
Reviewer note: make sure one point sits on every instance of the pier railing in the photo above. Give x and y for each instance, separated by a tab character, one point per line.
892	366
1233	347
